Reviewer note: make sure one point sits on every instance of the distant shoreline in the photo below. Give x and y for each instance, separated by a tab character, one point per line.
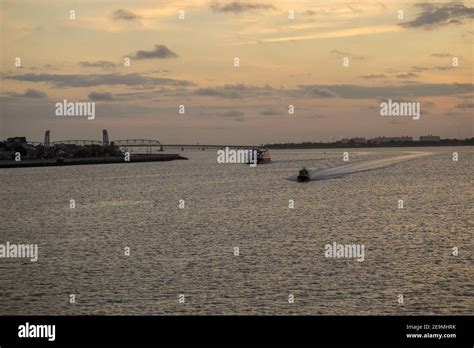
89	161
339	145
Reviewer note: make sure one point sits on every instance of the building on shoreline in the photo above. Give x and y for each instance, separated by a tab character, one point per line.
383	140
402	141
356	140
430	138
11	146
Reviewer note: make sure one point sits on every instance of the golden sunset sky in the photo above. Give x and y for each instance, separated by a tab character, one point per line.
190	62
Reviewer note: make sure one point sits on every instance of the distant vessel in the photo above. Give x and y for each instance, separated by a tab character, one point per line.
263	156
303	176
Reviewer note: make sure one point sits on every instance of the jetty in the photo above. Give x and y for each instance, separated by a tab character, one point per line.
89	160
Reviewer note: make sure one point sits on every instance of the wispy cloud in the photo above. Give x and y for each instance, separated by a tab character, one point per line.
100	96
437	15
104	64
29	93
465	106
406	75
410	89
441	55
357	31
341	54
89	80
230	113
417	68
318	92
403	91
373	76
236	91
270	112
237	7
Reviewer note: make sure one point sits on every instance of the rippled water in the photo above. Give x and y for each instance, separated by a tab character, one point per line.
190	251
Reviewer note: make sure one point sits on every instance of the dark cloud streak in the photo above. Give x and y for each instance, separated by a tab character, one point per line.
124	15
160	52
437	15
99	96
237	7
90	80
98	64
29	93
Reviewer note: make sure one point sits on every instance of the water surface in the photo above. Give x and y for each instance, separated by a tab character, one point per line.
190	251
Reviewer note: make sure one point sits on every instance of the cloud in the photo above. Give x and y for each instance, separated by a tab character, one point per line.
443	68
420	68
340	33
212	92
233	114
373	76
353	8
90	80
236	91
34	93
160	52
237	7
316	92
436	15
124	15
341	54
428	104
41	67
465	106
391	92
410	89
104	64
406	75
407	82
466	96
97	96
433	68
29	93
270	112
441	55
316	116
230	113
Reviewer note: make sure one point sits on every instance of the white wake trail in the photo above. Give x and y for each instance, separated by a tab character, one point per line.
362	167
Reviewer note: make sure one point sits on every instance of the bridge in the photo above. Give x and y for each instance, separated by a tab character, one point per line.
77	142
131	145
134	145
120	143
204	147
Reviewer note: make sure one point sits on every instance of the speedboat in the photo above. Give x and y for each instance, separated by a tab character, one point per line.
303	176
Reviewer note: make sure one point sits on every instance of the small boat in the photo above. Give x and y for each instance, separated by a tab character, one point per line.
263	156
303	176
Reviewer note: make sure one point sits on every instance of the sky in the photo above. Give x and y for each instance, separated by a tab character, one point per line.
184	53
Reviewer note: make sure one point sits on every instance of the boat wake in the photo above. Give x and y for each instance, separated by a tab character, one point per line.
341	171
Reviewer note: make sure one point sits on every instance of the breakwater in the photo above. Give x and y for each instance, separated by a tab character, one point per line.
91	160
